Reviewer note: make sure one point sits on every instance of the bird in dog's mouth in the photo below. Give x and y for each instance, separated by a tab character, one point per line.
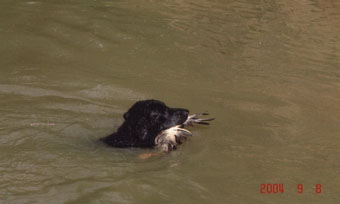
170	138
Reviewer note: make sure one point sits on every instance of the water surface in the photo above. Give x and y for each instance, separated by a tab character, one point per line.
267	70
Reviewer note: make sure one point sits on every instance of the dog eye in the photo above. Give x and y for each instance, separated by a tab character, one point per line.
157	117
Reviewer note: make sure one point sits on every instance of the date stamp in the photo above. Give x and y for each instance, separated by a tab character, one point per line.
277	188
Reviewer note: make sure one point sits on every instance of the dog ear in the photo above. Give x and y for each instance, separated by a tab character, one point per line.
142	130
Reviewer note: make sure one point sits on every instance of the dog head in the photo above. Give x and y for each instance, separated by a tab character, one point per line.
150	117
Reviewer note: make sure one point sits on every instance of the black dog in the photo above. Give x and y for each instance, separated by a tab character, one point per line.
143	122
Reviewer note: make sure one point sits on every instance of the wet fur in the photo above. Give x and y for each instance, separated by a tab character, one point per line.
143	122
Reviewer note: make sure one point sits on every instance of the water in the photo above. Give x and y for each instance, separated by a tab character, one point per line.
267	70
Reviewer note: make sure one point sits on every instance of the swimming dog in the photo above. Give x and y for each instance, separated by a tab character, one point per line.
150	123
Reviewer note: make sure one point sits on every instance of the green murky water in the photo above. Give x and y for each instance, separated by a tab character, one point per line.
267	70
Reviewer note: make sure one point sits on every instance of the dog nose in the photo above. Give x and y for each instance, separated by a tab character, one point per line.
186	112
